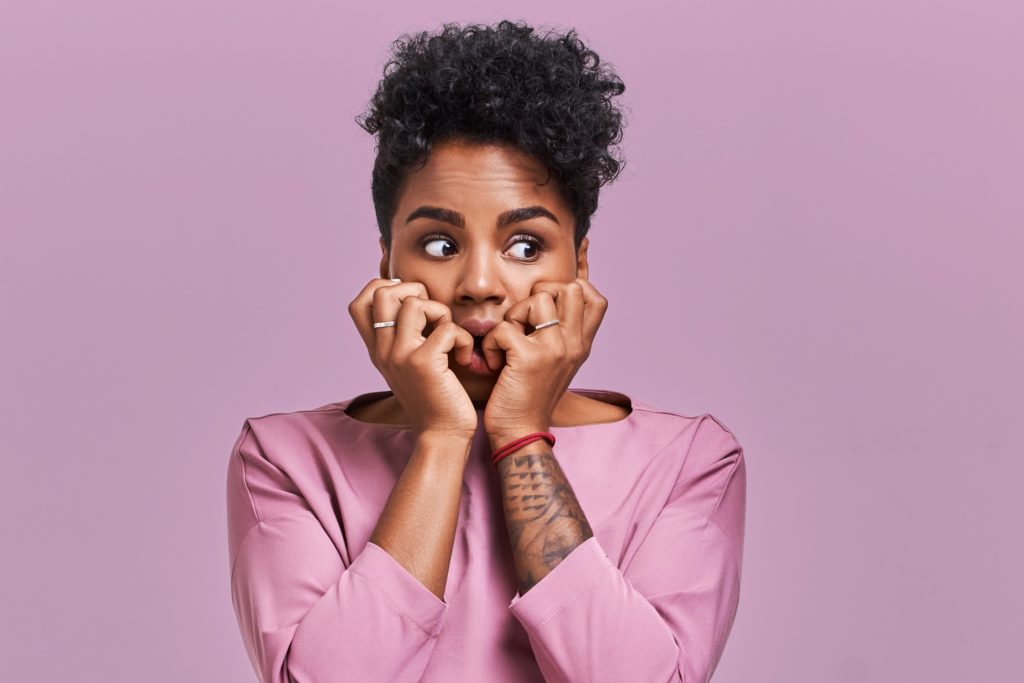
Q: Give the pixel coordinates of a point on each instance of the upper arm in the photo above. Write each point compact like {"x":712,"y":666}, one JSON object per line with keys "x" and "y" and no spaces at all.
{"x":304,"y":610}
{"x":689,"y":564}
{"x":281,"y":561}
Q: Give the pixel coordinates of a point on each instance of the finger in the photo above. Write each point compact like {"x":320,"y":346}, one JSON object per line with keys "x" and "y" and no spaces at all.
{"x":448,"y":337}
{"x":503,"y":337}
{"x":387,"y":301}
{"x":533,"y":310}
{"x":544,"y":310}
{"x":519,"y":313}
{"x":414,"y":317}
{"x":361,"y":311}
{"x":595,"y":305}
{"x":570,"y":305}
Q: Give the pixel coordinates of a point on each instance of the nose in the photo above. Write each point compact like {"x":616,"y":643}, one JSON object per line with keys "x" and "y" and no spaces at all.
{"x":481,"y":278}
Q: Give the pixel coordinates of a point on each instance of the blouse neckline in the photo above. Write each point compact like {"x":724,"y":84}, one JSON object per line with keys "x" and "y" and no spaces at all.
{"x":616,"y":398}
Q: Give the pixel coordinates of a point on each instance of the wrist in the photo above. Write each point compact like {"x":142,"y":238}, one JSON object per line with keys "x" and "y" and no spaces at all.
{"x":500,"y":438}
{"x":446,"y":443}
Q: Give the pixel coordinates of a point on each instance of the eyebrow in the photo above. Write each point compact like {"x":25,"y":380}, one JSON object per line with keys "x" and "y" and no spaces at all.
{"x":506,"y":218}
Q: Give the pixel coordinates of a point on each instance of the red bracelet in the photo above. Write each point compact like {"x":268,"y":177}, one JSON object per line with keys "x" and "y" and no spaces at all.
{"x":519,"y":443}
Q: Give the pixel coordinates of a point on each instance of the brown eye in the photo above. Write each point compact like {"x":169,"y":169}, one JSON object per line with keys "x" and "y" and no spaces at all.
{"x":429,"y":240}
{"x":531,"y":247}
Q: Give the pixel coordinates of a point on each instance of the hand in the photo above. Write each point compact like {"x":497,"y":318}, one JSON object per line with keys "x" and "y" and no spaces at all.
{"x":414,"y":366}
{"x":538,"y":367}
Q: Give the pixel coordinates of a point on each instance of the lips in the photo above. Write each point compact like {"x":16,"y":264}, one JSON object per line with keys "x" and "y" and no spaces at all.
{"x":478,"y":364}
{"x":478,"y":327}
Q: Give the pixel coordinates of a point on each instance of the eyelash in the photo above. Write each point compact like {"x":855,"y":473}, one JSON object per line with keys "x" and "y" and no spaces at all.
{"x":522,"y":237}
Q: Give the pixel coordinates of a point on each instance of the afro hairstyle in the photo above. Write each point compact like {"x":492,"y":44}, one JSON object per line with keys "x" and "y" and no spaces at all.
{"x":547,"y":94}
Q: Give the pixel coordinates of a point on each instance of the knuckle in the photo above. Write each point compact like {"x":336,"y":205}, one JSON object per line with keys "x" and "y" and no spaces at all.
{"x":396,"y":361}
{"x":417,"y":361}
{"x":414,"y":302}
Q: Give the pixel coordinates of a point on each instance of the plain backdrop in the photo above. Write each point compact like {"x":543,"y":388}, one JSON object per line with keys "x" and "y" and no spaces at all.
{"x":816,"y":238}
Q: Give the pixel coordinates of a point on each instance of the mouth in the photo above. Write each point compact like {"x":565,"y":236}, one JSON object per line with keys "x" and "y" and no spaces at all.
{"x":478,"y":362}
{"x":478,"y":327}
{"x":478,"y":339}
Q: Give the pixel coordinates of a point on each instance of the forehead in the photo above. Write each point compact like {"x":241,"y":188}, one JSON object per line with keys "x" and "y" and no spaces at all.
{"x":471,"y":172}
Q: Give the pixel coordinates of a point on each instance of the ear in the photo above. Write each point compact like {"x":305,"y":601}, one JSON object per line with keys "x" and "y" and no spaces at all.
{"x":385,"y":261}
{"x":582,"y":268}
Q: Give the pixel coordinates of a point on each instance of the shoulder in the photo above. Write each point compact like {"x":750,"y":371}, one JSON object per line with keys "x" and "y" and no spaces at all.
{"x":273,"y":464}
{"x":695,"y":462}
{"x":276,"y":435}
{"x":702,"y":439}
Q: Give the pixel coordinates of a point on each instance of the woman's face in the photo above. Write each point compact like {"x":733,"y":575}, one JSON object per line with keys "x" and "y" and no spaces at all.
{"x":453,"y":232}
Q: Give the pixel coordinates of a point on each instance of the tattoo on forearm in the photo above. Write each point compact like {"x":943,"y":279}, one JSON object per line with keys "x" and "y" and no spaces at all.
{"x":544,"y":519}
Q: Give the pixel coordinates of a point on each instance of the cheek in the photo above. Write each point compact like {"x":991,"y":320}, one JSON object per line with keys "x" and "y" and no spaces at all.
{"x":520,"y":293}
{"x":434,"y":279}
{"x":438,"y":292}
{"x":523,"y":290}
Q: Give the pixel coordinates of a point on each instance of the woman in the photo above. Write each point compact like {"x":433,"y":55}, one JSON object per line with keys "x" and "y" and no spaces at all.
{"x":481,"y":521}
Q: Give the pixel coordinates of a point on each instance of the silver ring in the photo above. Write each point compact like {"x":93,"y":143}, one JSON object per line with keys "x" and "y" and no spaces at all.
{"x":547,"y":324}
{"x":389,"y":323}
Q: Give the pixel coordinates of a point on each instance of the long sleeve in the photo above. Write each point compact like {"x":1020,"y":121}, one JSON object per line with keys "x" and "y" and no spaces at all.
{"x":304,"y":616}
{"x":667,"y":613}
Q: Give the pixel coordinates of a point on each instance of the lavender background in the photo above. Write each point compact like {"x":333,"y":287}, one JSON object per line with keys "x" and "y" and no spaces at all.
{"x":817,"y":238}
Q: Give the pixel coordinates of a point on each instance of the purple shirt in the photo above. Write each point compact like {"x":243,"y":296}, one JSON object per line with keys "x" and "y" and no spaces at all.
{"x":651,"y":596}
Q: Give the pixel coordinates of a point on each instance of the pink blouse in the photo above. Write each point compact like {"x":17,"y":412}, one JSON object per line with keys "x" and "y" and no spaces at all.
{"x":650,"y":597}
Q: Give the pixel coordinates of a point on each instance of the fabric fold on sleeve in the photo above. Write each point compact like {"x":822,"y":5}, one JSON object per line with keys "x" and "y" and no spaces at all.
{"x":304,"y":616}
{"x":585,"y":622}
{"x":403,"y":591}
{"x":562,"y":584}
{"x":667,"y":614}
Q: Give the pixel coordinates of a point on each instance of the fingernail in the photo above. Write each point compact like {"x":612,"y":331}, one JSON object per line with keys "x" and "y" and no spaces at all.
{"x":396,"y":279}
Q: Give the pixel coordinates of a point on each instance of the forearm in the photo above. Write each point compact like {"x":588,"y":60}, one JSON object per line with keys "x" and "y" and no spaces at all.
{"x":417,"y":525}
{"x":544,"y":520}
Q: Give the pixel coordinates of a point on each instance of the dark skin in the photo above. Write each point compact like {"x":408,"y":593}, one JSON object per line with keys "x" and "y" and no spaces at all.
{"x":481,"y":270}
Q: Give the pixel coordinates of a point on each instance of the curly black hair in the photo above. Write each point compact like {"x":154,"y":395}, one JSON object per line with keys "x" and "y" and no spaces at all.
{"x":547,"y":94}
